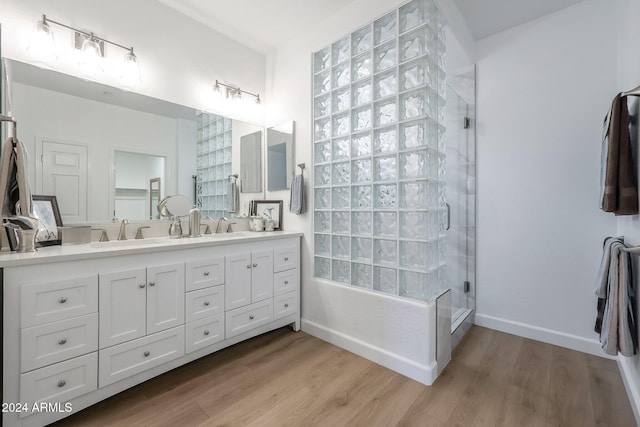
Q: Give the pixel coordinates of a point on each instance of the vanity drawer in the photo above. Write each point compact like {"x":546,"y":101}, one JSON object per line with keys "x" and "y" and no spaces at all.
{"x":286,"y":281}
{"x":204,"y":273}
{"x":246,"y":318}
{"x":204,"y":332}
{"x":60,"y":382}
{"x":124,"y":360}
{"x":285,"y":305}
{"x":204,"y":303}
{"x":54,"y":342}
{"x":50,"y":302}
{"x":285,"y":259}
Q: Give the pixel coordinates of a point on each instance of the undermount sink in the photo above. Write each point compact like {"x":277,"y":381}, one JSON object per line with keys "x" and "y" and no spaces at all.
{"x":228,"y":235}
{"x":124,"y":243}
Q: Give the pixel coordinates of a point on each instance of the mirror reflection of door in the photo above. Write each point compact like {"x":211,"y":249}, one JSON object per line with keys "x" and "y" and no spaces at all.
{"x":155,"y":190}
{"x":64,"y":175}
{"x":133,"y":172}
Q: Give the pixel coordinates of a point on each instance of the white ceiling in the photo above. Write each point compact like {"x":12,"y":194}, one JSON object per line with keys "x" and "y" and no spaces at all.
{"x":265,"y":25}
{"x":488,"y":17}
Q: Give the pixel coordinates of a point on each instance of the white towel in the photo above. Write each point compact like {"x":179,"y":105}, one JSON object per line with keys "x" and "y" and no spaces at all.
{"x":296,"y":199}
{"x":233,"y":197}
{"x":614,"y":288}
{"x":15,"y":195}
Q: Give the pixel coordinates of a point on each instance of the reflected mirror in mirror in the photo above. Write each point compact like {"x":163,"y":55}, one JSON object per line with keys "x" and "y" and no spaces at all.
{"x":251,"y":163}
{"x":88,"y":122}
{"x":133,"y":173}
{"x":280,"y":156}
{"x":155,"y":195}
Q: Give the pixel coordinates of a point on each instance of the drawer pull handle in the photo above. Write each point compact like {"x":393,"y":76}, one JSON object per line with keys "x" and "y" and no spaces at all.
{"x":63,"y":341}
{"x":206,"y":303}
{"x":146,"y":354}
{"x":206,"y":273}
{"x":141,"y":285}
{"x":62,"y":300}
{"x":62,"y":383}
{"x":286,"y":258}
{"x":251,"y":317}
{"x":152,"y":283}
{"x":286,"y":305}
{"x":286,"y":282}
{"x":255,"y":265}
{"x":248,"y":265}
{"x":206,"y":332}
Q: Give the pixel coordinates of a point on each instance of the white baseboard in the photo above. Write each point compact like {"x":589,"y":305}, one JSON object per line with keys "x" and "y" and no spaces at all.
{"x":561,"y":339}
{"x":409,"y":368}
{"x":631,"y":384}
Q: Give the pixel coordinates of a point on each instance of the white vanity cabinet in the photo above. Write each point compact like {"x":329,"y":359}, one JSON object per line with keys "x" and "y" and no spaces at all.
{"x":82,"y":327}
{"x":138,"y":302}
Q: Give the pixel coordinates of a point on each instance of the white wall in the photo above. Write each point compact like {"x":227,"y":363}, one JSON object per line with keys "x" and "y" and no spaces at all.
{"x":543,"y":90}
{"x":629,"y":226}
{"x":180,"y":58}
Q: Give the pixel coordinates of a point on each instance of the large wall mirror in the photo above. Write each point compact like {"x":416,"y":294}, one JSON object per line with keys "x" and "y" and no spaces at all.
{"x":280,"y":156}
{"x":90,"y":143}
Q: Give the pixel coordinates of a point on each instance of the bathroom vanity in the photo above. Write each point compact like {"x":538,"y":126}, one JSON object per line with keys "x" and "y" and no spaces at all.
{"x":84,"y":322}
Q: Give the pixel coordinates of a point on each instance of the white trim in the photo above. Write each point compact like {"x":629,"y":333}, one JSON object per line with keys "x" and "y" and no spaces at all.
{"x":631,"y":384}
{"x":572,"y":342}
{"x":410,"y":368}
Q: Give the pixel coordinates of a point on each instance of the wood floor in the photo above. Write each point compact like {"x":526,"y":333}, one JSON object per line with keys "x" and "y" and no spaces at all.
{"x":293,"y":379}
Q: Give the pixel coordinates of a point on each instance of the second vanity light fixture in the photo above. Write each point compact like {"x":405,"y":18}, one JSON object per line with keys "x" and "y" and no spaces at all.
{"x":91,"y":47}
{"x":224,"y":91}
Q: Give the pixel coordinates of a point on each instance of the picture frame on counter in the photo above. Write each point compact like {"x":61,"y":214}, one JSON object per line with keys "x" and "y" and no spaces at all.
{"x":269,"y":209}
{"x":46,"y":211}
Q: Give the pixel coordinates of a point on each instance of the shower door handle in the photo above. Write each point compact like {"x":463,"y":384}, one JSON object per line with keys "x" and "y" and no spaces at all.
{"x":448,"y":216}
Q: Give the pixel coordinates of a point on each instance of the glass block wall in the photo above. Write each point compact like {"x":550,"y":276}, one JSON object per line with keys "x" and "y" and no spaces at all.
{"x":213,"y":164}
{"x":379,"y":191}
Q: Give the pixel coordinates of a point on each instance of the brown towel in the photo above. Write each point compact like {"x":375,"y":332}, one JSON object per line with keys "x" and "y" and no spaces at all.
{"x":620,"y":189}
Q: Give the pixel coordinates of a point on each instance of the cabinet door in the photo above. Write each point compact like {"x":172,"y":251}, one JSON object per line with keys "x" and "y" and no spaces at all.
{"x":165,"y":297}
{"x":238,"y":281}
{"x":122,"y":302}
{"x":262,"y":276}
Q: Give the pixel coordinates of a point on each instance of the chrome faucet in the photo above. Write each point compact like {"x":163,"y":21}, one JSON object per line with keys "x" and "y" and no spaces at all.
{"x":123,"y":230}
{"x":218,"y":230}
{"x":104,"y":237}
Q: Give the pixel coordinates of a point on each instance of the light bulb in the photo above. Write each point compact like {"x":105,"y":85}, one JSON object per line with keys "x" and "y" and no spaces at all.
{"x":91,"y":56}
{"x":41,"y":42}
{"x":131,"y":76}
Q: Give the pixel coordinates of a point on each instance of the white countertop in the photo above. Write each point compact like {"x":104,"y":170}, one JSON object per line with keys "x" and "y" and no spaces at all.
{"x":131,"y":247}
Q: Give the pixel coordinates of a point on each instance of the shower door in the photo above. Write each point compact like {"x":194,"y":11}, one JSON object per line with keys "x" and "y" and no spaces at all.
{"x":460,"y":181}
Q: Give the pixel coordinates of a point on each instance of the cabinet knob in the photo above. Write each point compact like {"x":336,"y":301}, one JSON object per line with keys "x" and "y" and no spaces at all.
{"x":152,"y":283}
{"x":62,"y":300}
{"x":206,"y":303}
{"x":206,"y":332}
{"x":63,"y":341}
{"x":248,"y":265}
{"x":286,"y":258}
{"x":286,"y":282}
{"x":206,"y":273}
{"x":255,"y":265}
{"x":62,"y":383}
{"x":251,"y":317}
{"x":146,"y":354}
{"x":286,"y":305}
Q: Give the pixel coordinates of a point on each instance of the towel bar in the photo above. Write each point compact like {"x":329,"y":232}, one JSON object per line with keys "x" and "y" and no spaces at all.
{"x":634,"y":250}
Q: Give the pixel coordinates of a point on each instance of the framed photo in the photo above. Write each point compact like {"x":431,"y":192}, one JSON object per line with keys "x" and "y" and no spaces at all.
{"x":269,"y":209}
{"x":45,"y":209}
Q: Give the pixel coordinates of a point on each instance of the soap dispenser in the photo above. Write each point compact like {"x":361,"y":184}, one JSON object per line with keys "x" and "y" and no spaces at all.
{"x":194,"y":222}
{"x":175,"y":230}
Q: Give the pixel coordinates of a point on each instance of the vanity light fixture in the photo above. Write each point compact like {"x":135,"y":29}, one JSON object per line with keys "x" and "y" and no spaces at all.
{"x":224,"y":91}
{"x":91,"y":50}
